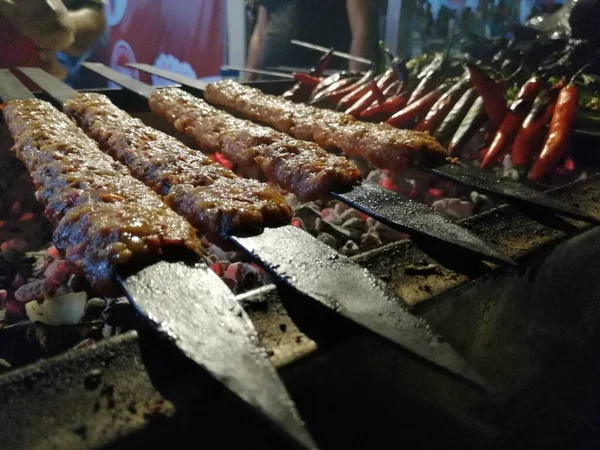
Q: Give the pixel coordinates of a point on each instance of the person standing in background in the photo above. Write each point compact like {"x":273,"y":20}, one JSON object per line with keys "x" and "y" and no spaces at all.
{"x":35,"y":30}
{"x":346,"y":25}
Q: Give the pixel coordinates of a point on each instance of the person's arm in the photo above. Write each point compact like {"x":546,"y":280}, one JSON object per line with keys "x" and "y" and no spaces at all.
{"x":89,"y":24}
{"x":256,"y":42}
{"x":361,"y":29}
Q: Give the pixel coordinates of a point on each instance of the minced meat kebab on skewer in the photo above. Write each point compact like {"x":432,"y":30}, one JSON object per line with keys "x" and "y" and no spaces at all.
{"x":302,"y":168}
{"x":104,"y":217}
{"x":382,"y":145}
{"x":210,"y":196}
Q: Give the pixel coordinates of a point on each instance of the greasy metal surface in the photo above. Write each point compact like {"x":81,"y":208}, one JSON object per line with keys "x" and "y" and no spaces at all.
{"x":169,"y":75}
{"x":418,"y":272}
{"x":419,"y":220}
{"x":321,"y":273}
{"x":60,"y":91}
{"x":143,"y":89}
{"x":11,"y":88}
{"x":514,"y":192}
{"x":197,"y":311}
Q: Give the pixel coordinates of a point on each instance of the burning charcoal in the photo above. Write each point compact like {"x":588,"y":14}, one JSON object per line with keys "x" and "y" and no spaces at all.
{"x":219,"y":253}
{"x":370,"y":240}
{"x":386,"y":234}
{"x":375,"y":177}
{"x":298,"y":223}
{"x":350,"y":213}
{"x":309,"y":214}
{"x":355,"y":224}
{"x":340,"y":208}
{"x":454,"y":208}
{"x":14,"y":312}
{"x":65,"y":309}
{"x":94,"y":308}
{"x":120,"y":313}
{"x":371,"y":222}
{"x":36,"y":290}
{"x":327,"y":239}
{"x":340,"y":233}
{"x":350,"y":248}
{"x":57,"y":272}
{"x":292,"y":200}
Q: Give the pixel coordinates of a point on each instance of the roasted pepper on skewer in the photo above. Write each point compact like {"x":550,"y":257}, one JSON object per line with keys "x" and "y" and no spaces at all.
{"x":371,"y":94}
{"x":324,"y":95}
{"x":307,"y":80}
{"x":412,"y":111}
{"x":560,"y":131}
{"x":442,"y":107}
{"x":529,"y":137}
{"x":492,"y":94}
{"x":469,"y":125}
{"x":452,"y":121}
{"x":384,"y":110}
{"x":350,"y":94}
{"x":512,"y":120}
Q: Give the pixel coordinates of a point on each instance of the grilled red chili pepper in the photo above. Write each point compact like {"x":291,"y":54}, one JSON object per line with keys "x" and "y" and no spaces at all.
{"x":512,"y":120}
{"x":392,"y":105}
{"x":298,"y":93}
{"x":407,"y":115}
{"x":322,"y":64}
{"x":306,"y":79}
{"x":370,"y":95}
{"x":559,"y":133}
{"x":452,"y":121}
{"x":442,"y":107}
{"x":323,"y":96}
{"x":492,"y":94}
{"x":425,"y":86}
{"x":342,"y":93}
{"x":383,"y":81}
{"x":529,"y":136}
{"x":469,"y":125}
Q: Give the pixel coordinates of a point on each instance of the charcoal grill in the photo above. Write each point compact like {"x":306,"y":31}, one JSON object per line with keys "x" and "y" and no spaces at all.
{"x":355,"y":392}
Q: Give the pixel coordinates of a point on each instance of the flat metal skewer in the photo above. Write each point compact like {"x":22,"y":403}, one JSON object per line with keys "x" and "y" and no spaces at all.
{"x":196,"y":310}
{"x":335,"y":52}
{"x":347,"y":289}
{"x":271,"y":73}
{"x":515,"y":193}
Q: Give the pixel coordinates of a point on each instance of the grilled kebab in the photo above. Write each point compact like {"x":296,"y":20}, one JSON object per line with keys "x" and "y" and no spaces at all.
{"x":296,"y":166}
{"x":382,"y":145}
{"x":104,"y":217}
{"x":211,"y":197}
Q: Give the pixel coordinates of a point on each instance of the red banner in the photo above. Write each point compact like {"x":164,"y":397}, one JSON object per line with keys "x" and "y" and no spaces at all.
{"x":180,"y":35}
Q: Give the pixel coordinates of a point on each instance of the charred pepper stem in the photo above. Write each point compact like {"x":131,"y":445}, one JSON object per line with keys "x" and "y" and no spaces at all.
{"x":322,"y":64}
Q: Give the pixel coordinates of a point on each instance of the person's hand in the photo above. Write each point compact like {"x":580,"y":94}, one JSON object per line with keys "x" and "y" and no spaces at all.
{"x":47,"y":22}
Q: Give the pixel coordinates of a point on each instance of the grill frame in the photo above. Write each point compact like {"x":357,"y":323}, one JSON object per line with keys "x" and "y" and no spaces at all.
{"x":432,"y":295}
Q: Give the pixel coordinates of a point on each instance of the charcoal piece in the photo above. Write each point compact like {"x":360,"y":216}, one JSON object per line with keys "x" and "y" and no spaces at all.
{"x":370,"y":240}
{"x":120,"y":313}
{"x":387,"y":234}
{"x":350,"y":248}
{"x":340,"y":233}
{"x":309,"y":214}
{"x":355,"y":224}
{"x":350,"y":213}
{"x":94,"y":308}
{"x":327,"y":239}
